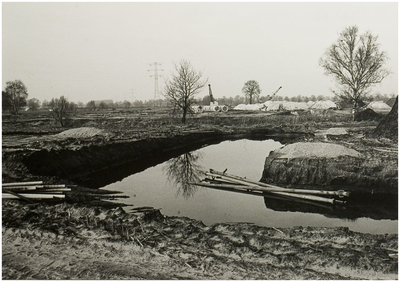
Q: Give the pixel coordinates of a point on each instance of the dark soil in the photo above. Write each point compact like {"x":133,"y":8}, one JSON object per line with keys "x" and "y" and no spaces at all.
{"x":388,"y":126}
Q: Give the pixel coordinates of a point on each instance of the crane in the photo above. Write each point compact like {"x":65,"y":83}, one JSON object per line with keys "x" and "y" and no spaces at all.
{"x":210,"y":93}
{"x":213,"y":107}
{"x":273,"y":94}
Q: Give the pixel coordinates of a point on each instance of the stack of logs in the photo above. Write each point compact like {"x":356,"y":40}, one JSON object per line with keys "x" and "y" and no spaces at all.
{"x":227,"y":182}
{"x":37,"y":190}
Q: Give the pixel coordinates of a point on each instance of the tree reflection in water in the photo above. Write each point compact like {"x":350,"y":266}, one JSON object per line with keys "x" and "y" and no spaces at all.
{"x":184,"y":169}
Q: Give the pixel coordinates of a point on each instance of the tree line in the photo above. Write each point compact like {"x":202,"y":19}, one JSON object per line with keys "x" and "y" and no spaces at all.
{"x":354,"y":61}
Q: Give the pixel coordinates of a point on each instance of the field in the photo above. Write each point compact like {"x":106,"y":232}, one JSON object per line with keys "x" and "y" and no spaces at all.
{"x":80,"y":240}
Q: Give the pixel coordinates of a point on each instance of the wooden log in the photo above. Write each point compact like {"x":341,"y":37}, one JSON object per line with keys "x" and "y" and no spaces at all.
{"x":32,"y":196}
{"x":32,"y":183}
{"x":41,"y":190}
{"x":54,"y":186}
{"x":16,"y":196}
{"x":270,"y":187}
{"x":20,"y":188}
{"x":293,"y":195}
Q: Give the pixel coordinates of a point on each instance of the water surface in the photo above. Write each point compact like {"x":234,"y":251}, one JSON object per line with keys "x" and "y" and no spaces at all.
{"x":164,"y":186}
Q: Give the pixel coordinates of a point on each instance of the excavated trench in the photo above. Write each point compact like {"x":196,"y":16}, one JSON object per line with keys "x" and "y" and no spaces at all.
{"x":95,"y":166}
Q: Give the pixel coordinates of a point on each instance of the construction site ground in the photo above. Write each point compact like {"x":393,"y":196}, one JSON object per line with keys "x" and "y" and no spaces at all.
{"x":77,"y":241}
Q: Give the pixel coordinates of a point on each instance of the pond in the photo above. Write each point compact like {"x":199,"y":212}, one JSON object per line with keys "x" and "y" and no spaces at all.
{"x":164,"y":187}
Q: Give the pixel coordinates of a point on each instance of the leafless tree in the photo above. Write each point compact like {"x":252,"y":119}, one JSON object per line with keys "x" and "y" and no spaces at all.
{"x":185,"y":84}
{"x":251,"y":90}
{"x":356,"y":64}
{"x":183,"y":170}
{"x":61,"y":109}
{"x":16,"y":95}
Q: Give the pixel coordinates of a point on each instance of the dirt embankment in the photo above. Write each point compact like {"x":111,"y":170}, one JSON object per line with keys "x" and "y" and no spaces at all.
{"x":342,"y":160}
{"x":71,"y":242}
{"x":78,"y":155}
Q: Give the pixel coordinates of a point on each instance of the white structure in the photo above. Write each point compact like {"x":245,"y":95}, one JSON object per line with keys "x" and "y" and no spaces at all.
{"x":322,"y":105}
{"x":379,"y":106}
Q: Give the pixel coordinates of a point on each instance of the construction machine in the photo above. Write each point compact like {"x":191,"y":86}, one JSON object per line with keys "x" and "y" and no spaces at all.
{"x":213,"y":107}
{"x":269,"y":98}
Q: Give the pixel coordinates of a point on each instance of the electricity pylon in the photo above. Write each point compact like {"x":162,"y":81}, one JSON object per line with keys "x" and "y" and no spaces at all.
{"x":156,"y":75}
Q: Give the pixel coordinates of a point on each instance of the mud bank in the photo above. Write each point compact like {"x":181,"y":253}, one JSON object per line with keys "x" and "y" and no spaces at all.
{"x":96,"y":165}
{"x":332,"y":166}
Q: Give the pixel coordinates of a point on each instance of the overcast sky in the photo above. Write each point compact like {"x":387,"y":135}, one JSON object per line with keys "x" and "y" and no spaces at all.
{"x":93,"y":51}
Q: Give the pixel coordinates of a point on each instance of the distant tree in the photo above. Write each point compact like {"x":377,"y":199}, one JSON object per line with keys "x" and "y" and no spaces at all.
{"x":103,"y":106}
{"x":138,"y":103}
{"x":252,"y":91}
{"x":73,"y":107}
{"x":126,"y":104}
{"x":356,"y":63}
{"x":61,"y":110}
{"x":185,"y":84}
{"x":45,"y":104}
{"x":17,"y":95}
{"x":91,"y":105}
{"x":79,"y":104}
{"x":6,"y":101}
{"x":33,"y":104}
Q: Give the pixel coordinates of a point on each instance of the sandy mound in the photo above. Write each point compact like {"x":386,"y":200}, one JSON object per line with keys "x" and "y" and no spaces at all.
{"x":314,"y":150}
{"x":82,"y":132}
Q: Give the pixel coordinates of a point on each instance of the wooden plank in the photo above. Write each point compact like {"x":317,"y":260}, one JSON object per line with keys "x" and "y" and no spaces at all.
{"x":32,"y":196}
{"x":244,"y":188}
{"x":20,"y":188}
{"x":54,"y":186}
{"x":32,"y":183}
{"x":41,"y":190}
{"x":15,"y":195}
{"x":270,"y":187}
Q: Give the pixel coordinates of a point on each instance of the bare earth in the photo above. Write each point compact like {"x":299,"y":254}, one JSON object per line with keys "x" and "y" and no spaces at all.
{"x":70,"y":242}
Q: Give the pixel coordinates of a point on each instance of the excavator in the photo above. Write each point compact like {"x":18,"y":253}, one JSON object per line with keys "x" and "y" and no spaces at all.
{"x":269,"y":98}
{"x":213,"y":107}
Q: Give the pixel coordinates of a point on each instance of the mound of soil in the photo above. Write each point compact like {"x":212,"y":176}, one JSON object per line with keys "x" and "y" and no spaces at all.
{"x":313,"y":150}
{"x":367,"y":114}
{"x":81,"y":132}
{"x":388,"y":127}
{"x":330,"y":165}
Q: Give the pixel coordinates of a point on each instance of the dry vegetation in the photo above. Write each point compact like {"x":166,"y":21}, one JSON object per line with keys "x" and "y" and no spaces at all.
{"x":73,"y":242}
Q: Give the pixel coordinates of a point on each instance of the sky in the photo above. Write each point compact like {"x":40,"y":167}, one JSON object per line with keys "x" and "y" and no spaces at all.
{"x":95,"y":51}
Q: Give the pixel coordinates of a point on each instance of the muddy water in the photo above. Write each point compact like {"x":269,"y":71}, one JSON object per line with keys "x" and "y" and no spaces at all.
{"x":164,"y":186}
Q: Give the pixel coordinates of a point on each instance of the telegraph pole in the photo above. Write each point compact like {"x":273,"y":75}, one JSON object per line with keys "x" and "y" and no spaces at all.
{"x":155,"y":75}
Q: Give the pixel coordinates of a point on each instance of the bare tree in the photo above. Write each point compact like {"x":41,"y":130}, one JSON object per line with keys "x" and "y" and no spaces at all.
{"x":91,"y":105}
{"x":251,"y":90}
{"x":33,"y":104}
{"x":61,"y":109}
{"x":17,"y":95}
{"x":185,"y":84}
{"x":356,"y":63}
